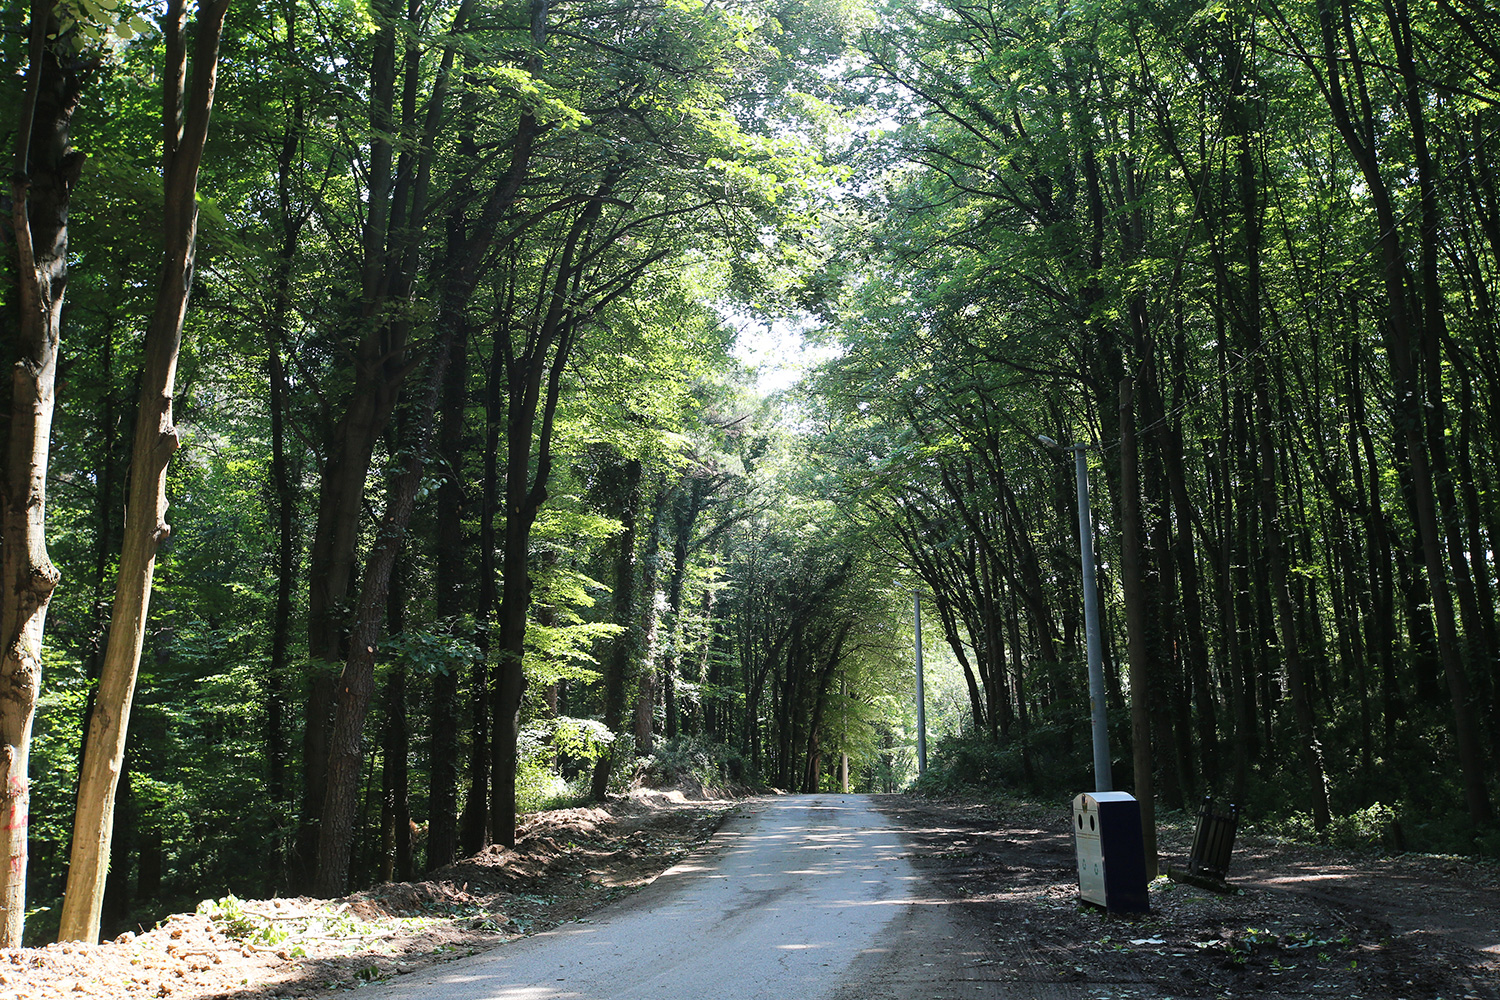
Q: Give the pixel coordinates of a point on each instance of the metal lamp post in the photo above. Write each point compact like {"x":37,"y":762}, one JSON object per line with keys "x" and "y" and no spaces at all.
{"x":921,"y":689}
{"x":1103,"y":778}
{"x":1106,"y":823}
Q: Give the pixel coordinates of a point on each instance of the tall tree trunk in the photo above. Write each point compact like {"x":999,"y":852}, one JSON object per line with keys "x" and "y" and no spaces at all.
{"x":812,"y":771}
{"x":395,"y":804}
{"x":1135,"y":627}
{"x":397,"y":195}
{"x":1429,"y":371}
{"x":687,"y":503}
{"x":710,"y":721}
{"x":1194,"y":628}
{"x":185,"y":117}
{"x":617,"y":667}
{"x":283,"y":489}
{"x":476,"y":819}
{"x":357,"y":681}
{"x":645,"y":697}
{"x":534,"y":378}
{"x":341,"y":487}
{"x":442,"y":818}
{"x":1308,"y":746}
{"x":1408,"y":347}
{"x":45,"y":169}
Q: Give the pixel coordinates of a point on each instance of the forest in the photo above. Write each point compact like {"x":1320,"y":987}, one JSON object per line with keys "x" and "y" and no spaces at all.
{"x":388,"y":456}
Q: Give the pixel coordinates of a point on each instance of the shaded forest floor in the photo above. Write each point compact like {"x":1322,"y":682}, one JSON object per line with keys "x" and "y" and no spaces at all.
{"x":1306,"y":922}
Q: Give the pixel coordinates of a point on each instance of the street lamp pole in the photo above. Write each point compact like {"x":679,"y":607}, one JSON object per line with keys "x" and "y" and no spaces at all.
{"x":921,"y":688}
{"x":1112,"y":819}
{"x":1103,"y":780}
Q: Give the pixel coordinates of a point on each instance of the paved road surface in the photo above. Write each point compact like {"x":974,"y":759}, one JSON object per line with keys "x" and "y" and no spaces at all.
{"x":784,"y":900}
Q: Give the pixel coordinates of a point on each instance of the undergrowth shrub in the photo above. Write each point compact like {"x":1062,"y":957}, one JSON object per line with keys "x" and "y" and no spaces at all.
{"x":970,"y":763}
{"x":555,"y":760}
{"x":1375,"y":826}
{"x":689,"y":759}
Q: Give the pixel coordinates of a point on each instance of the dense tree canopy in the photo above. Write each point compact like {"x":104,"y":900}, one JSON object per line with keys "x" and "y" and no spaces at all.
{"x":476,"y":508}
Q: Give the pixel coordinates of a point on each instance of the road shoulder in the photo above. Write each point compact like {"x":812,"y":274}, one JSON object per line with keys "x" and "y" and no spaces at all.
{"x":1001,"y":898}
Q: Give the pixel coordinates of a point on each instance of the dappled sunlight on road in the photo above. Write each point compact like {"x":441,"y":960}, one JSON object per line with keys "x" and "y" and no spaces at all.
{"x":778,"y":907}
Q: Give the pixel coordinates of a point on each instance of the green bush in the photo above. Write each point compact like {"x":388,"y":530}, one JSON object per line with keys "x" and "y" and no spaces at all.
{"x":556,"y":760}
{"x":1371,"y":827}
{"x":1367,"y":827}
{"x":690,"y":759}
{"x":539,"y":787}
{"x":970,"y":763}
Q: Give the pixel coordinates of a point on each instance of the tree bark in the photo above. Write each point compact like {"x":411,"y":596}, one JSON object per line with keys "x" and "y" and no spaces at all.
{"x":397,"y":198}
{"x":442,"y":754}
{"x":282,"y":478}
{"x":618,"y":664}
{"x":185,"y":117}
{"x":1435,"y":485}
{"x":645,"y":698}
{"x":357,"y":681}
{"x":475,"y":832}
{"x":812,"y":770}
{"x":395,"y":801}
{"x":46,"y":168}
{"x":686,"y":503}
{"x":1405,"y":355}
{"x":1135,"y":628}
{"x":534,"y":378}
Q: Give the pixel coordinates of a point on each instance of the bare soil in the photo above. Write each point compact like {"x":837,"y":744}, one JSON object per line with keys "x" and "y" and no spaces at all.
{"x":567,"y":863}
{"x":1305,"y":921}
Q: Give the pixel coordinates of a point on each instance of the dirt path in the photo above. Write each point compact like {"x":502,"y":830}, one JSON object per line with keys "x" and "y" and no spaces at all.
{"x":1443,"y":904}
{"x":567,"y":864}
{"x":785,"y":897}
{"x":994,"y":914}
{"x":1306,"y":923}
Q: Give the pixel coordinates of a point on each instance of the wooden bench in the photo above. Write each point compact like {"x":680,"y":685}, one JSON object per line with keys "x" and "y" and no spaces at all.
{"x":1208,"y":863}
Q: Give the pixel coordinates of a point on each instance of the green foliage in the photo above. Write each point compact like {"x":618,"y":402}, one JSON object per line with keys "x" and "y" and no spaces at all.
{"x":959,"y":764}
{"x":230,"y":914}
{"x":985,"y":215}
{"x":582,"y":740}
{"x":444,"y":649}
{"x":1056,"y":198}
{"x":55,"y":746}
{"x":691,"y":760}
{"x":1371,"y":828}
{"x":98,"y":23}
{"x":714,"y":119}
{"x":266,"y":924}
{"x":970,"y":763}
{"x":622,"y":764}
{"x":539,"y":787}
{"x":557,"y":758}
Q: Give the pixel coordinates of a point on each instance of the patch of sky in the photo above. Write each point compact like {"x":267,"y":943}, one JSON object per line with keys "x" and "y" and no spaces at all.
{"x":779,"y":352}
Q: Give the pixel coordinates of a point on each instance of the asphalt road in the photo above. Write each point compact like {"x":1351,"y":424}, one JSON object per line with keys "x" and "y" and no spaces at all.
{"x":795,"y":897}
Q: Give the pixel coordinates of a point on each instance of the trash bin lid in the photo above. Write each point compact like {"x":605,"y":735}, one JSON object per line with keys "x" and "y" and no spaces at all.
{"x":1098,"y":797}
